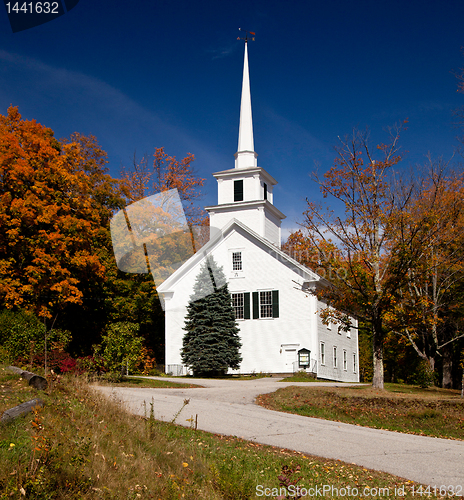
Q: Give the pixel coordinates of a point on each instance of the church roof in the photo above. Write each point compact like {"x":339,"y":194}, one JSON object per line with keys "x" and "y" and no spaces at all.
{"x":235,"y":172}
{"x":235,"y":225}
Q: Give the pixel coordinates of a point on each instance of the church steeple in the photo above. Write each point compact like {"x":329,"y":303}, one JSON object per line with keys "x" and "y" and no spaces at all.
{"x":245,"y":155}
{"x":245,"y":193}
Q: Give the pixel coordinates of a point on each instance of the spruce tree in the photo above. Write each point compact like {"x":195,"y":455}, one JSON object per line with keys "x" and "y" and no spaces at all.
{"x":211,"y":343}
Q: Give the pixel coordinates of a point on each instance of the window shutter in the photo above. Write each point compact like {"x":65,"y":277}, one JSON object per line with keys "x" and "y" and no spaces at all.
{"x":255,"y":305}
{"x":275,"y":303}
{"x":238,"y":190}
{"x":246,"y":305}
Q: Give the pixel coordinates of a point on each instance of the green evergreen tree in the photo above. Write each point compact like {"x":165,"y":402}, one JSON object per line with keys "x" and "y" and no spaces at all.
{"x":211,"y":344}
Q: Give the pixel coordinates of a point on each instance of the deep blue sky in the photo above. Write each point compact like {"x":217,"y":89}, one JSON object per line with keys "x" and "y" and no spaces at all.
{"x":140,"y":75}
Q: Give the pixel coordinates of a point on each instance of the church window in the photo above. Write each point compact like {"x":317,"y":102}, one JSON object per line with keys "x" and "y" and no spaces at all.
{"x":241,"y":305}
{"x":355,"y":365}
{"x":335,"y":357}
{"x":322,"y":353}
{"x":345,"y":361}
{"x":236,"y":261}
{"x":238,"y":190}
{"x":265,"y":191}
{"x":237,"y":304}
{"x":266,"y":304}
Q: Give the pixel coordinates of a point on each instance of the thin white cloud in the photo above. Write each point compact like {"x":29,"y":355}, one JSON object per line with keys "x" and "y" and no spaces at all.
{"x":296,"y":140}
{"x":225,"y":51}
{"x":61,"y":98}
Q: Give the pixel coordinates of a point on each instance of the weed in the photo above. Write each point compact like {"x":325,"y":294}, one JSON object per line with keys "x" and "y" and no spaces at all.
{"x":186,"y":402}
{"x":150,"y":419}
{"x":287,"y":480}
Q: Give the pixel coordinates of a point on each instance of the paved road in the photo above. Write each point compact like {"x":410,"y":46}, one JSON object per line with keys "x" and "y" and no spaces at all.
{"x":227,"y":407}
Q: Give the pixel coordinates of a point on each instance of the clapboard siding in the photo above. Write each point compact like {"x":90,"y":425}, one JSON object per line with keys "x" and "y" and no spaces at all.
{"x":343,"y":341}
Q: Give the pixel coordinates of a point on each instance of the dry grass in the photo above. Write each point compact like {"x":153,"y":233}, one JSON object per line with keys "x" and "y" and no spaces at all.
{"x":432,"y":412}
{"x":81,"y":445}
{"x":147,"y":383}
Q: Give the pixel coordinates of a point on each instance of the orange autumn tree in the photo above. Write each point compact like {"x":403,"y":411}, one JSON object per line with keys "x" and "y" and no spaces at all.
{"x":428,"y":309}
{"x":164,"y":173}
{"x":55,"y":200}
{"x":320,"y":257}
{"x":369,"y":267}
{"x":166,"y":242}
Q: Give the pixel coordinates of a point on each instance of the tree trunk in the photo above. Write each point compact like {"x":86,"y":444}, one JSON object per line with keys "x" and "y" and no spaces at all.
{"x":447,"y":380}
{"x":431,"y":363}
{"x":377,"y":344}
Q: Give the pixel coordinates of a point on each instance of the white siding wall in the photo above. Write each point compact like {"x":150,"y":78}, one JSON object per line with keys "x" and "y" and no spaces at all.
{"x":251,"y":189}
{"x":270,"y":195}
{"x":272,"y":229}
{"x":263,"y":340}
{"x":252,"y":218}
{"x":343,"y":341}
{"x":263,"y":223}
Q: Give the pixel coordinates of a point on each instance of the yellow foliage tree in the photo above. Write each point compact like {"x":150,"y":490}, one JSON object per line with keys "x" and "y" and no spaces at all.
{"x":55,"y":203}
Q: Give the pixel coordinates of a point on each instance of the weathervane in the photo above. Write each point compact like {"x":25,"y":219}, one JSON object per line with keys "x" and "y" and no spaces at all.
{"x":246,"y":35}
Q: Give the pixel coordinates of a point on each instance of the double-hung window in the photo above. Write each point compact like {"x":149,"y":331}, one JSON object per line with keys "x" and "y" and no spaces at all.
{"x":322,"y":353}
{"x":237,"y":261}
{"x":335,"y":357}
{"x":241,"y":305}
{"x":266,"y":304}
{"x":238,"y":305}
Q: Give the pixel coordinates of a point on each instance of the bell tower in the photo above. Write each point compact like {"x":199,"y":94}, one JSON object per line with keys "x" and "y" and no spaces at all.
{"x":245,"y":193}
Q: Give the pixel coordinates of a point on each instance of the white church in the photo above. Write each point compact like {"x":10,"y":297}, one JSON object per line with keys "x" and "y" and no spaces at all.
{"x":280,"y":328}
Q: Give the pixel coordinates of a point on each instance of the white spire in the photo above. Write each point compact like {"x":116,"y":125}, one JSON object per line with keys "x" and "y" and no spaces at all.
{"x":245,"y":156}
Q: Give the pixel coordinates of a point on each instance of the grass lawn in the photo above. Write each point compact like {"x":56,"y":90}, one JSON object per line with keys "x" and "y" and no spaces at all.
{"x":431,"y":412}
{"x":80,"y":445}
{"x":149,"y":383}
{"x":251,"y":376}
{"x":302,"y":377}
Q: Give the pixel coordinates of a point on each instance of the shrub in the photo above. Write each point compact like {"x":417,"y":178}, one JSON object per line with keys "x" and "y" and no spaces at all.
{"x":56,"y":359}
{"x":90,"y":364}
{"x":423,"y":376}
{"x":121,"y":347}
{"x":147,"y":363}
{"x":68,"y":365}
{"x":22,"y":336}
